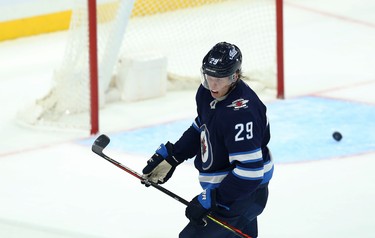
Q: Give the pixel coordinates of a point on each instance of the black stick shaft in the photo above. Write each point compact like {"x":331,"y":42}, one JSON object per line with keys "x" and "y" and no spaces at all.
{"x":229,"y":227}
{"x":137,"y":175}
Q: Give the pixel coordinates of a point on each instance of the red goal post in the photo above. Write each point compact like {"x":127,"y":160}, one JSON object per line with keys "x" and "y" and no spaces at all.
{"x":93,"y":72}
{"x":104,"y":31}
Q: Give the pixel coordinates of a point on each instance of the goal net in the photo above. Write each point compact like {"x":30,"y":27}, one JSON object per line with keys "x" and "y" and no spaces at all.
{"x":181,"y":30}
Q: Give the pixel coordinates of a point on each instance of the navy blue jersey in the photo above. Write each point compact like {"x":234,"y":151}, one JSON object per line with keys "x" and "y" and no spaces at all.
{"x":229,"y":140}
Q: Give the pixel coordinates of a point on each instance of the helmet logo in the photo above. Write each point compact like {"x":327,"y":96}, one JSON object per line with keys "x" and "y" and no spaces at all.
{"x":232,"y":53}
{"x":213,"y":61}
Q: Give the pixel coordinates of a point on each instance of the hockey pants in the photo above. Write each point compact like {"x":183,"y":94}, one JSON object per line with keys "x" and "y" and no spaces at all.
{"x":242,"y":215}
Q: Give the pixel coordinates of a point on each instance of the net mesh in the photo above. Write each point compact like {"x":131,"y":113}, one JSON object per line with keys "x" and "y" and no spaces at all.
{"x":186,"y":34}
{"x":182,"y":30}
{"x":67,"y":105}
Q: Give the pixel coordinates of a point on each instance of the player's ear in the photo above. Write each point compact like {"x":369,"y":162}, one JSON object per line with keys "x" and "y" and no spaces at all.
{"x":235,"y":77}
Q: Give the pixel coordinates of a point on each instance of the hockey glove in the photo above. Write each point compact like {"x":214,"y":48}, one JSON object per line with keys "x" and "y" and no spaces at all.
{"x":161,"y":165}
{"x":201,"y":206}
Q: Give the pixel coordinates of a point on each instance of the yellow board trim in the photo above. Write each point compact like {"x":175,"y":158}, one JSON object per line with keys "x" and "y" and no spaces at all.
{"x":35,"y":25}
{"x":153,"y":8}
{"x":60,"y":20}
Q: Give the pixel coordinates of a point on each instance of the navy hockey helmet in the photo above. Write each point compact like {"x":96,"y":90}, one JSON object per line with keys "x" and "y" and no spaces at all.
{"x":223,"y":60}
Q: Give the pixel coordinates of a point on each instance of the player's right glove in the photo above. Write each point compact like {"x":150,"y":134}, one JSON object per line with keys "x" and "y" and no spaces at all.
{"x":200,"y":206}
{"x":161,"y":165}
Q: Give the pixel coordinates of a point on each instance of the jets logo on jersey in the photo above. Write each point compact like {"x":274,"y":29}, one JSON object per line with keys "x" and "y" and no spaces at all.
{"x":239,"y":103}
{"x":206,"y":148}
{"x":203,"y":146}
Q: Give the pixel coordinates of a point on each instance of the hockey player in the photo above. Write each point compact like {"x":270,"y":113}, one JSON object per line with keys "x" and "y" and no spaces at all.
{"x":228,"y":139}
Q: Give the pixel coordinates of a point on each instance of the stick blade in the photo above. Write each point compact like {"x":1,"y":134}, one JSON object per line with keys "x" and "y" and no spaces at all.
{"x":100,"y":143}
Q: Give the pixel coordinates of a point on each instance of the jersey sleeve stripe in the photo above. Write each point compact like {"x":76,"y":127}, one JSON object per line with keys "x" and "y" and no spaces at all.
{"x":267,"y":176}
{"x":211,"y":179}
{"x":249,"y":174}
{"x":268,"y":166}
{"x":246,"y":157}
{"x":268,"y":171}
{"x":263,"y":173}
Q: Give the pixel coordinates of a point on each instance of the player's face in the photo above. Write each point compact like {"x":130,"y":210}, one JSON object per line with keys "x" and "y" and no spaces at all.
{"x":218,"y":87}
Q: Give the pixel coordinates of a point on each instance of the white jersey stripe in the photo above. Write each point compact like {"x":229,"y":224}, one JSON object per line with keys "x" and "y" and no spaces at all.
{"x":252,"y":174}
{"x":212,"y":178}
{"x":268,"y":166}
{"x":249,"y":173}
{"x":245,"y":173}
{"x":246,"y":157}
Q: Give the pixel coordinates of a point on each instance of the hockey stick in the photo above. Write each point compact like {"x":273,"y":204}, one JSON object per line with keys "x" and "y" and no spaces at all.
{"x":102,"y":141}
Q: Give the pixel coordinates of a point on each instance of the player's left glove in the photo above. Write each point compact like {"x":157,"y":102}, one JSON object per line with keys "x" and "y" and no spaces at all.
{"x":201,"y":206}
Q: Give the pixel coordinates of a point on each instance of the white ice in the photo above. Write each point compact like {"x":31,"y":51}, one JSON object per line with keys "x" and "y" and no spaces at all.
{"x":52,"y":187}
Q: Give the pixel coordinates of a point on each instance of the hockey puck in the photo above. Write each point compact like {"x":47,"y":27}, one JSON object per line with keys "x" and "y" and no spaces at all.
{"x":337,"y":136}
